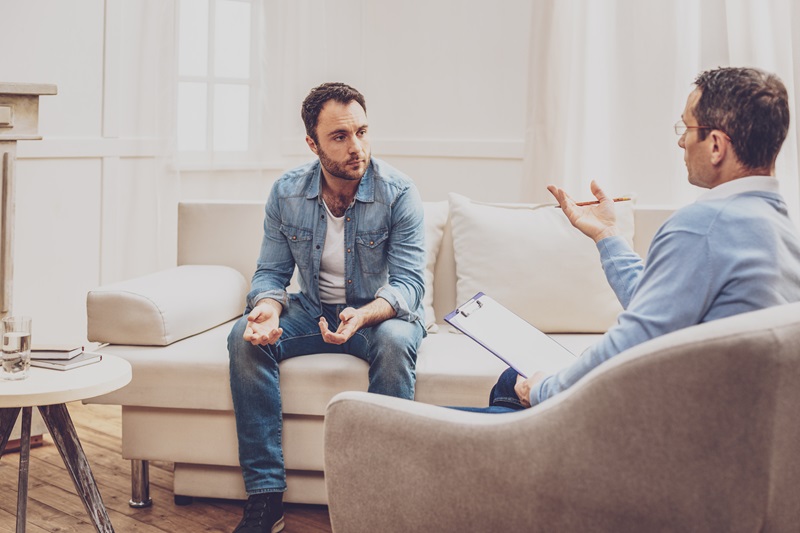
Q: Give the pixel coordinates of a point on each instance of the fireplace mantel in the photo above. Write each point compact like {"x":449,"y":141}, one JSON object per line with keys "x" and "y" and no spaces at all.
{"x":19,"y":121}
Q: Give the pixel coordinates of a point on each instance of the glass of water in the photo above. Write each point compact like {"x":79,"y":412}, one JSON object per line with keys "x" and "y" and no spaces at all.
{"x":16,"y":347}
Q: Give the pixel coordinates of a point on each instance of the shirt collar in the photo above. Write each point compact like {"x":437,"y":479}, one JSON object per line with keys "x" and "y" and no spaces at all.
{"x":739,"y":186}
{"x":314,"y":189}
{"x":366,"y":189}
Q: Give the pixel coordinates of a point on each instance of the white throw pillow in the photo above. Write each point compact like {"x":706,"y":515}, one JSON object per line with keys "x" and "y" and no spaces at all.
{"x":530,"y":259}
{"x":435,"y":220}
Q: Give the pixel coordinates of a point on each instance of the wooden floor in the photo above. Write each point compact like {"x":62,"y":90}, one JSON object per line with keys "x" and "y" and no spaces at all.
{"x":53,"y":505}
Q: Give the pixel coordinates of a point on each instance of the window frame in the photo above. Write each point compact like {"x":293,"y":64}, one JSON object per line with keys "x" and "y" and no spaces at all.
{"x":209,"y":157}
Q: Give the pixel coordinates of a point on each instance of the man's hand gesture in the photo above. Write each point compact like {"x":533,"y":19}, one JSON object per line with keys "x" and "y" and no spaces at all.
{"x":596,"y":221}
{"x":350,"y":323}
{"x":262,"y":323}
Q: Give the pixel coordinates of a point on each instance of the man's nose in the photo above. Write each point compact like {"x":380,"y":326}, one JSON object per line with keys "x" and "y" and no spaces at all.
{"x":355,"y":145}
{"x":681,"y":141}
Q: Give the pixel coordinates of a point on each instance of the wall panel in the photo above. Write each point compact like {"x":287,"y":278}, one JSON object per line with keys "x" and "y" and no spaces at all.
{"x":448,"y":69}
{"x":57,"y":252}
{"x":96,"y":200}
{"x":48,"y":41}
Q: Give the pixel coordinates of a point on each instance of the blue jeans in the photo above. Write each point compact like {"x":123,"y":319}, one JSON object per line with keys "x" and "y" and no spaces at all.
{"x":503,"y":398}
{"x":390,"y":348}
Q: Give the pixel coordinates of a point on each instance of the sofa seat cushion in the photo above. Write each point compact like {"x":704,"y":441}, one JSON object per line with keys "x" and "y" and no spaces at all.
{"x":193,"y":373}
{"x":452,"y":369}
{"x":189,"y":374}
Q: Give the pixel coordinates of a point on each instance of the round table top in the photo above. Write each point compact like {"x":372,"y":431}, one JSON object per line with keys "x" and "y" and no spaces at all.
{"x":45,"y":386}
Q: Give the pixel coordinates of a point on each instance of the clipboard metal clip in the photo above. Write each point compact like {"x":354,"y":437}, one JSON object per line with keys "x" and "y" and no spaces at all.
{"x":470,"y":308}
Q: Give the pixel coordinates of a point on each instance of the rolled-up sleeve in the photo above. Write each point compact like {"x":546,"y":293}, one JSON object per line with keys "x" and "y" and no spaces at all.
{"x":406,"y":257}
{"x":275,"y":264}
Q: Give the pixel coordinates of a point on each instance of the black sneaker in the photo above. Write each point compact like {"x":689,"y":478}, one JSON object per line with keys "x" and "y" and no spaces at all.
{"x":263,"y":513}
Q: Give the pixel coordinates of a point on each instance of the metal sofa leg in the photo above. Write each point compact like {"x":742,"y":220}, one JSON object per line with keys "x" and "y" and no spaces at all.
{"x":140,"y":484}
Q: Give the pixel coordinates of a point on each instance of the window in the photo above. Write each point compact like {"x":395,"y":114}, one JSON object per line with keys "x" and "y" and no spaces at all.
{"x":215,"y":80}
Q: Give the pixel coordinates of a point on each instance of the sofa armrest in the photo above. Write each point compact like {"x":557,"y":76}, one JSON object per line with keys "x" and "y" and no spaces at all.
{"x":165,"y":307}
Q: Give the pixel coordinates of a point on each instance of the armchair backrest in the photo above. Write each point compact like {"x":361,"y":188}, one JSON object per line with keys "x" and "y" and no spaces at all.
{"x":697,"y":429}
{"x":693,"y":431}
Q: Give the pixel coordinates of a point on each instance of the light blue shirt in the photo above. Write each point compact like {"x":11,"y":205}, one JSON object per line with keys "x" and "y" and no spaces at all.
{"x":384,"y":241}
{"x":733,"y":251}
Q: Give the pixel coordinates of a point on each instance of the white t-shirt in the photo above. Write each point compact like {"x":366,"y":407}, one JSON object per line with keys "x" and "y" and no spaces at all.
{"x":331,"y":267}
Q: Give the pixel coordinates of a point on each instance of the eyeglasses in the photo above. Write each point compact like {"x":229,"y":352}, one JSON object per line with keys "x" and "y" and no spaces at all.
{"x":681,"y":127}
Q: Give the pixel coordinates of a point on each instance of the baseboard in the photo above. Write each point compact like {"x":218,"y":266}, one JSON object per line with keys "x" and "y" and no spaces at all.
{"x":14,"y":445}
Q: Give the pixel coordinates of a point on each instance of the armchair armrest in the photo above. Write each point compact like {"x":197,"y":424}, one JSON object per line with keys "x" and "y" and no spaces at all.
{"x":165,"y":307}
{"x":395,"y":465}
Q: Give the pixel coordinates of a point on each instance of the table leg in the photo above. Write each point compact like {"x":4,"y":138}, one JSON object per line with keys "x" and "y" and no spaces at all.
{"x":24,"y":462}
{"x":8,"y":416}
{"x":63,"y":433}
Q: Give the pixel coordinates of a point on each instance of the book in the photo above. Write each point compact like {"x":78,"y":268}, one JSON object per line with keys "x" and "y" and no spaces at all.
{"x":86,"y":358}
{"x":46,"y":351}
{"x":516,"y":342}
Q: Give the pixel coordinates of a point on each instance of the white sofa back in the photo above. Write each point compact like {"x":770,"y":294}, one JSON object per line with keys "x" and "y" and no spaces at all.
{"x":229,"y":233}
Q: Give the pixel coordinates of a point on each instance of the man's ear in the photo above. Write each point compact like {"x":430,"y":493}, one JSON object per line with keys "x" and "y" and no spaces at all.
{"x":720,"y":144}
{"x":311,"y":144}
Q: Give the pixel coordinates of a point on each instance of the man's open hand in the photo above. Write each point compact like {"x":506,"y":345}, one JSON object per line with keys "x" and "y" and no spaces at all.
{"x":262,"y":324}
{"x":350,"y":323}
{"x":596,"y":221}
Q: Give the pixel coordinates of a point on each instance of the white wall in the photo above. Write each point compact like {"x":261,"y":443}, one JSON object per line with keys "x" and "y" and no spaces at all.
{"x":445,"y":83}
{"x":93,"y":202}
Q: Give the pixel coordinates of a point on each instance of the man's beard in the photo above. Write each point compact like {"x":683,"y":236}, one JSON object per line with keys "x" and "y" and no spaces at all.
{"x":341,"y":171}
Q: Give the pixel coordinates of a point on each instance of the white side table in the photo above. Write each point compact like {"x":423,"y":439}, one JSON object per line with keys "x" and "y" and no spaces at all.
{"x":50,"y":390}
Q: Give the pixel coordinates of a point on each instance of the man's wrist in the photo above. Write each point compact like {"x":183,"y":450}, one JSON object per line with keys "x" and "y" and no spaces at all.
{"x":611,"y":231}
{"x":375,"y":312}
{"x":275,"y":304}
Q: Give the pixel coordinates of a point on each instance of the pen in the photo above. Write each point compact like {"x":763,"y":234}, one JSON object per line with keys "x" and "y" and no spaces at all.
{"x":595,"y":202}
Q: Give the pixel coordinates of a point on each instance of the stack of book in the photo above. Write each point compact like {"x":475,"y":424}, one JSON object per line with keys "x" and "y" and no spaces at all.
{"x":62,"y":357}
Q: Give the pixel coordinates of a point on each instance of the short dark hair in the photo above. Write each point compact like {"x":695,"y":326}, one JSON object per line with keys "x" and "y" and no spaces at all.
{"x":318,"y":96}
{"x":751,"y":106}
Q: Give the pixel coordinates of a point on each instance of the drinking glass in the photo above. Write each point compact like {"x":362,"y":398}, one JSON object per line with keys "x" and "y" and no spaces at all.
{"x":16,"y":347}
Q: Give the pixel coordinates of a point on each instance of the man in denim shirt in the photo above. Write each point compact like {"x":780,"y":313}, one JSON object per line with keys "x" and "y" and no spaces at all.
{"x":353,"y":227}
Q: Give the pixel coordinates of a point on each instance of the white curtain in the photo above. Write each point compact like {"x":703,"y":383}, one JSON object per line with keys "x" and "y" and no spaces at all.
{"x":609,"y":78}
{"x":140,"y":193}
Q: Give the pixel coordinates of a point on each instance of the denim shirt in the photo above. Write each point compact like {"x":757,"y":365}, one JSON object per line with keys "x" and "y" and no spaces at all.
{"x":384,"y":241}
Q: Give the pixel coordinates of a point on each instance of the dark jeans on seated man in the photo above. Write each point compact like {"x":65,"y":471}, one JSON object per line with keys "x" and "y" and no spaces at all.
{"x":502,"y":398}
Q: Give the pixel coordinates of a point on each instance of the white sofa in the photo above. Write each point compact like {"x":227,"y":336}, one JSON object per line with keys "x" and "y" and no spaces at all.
{"x":173,"y":325}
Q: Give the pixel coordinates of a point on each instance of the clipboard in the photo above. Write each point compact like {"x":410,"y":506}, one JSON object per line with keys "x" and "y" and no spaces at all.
{"x":518,"y":343}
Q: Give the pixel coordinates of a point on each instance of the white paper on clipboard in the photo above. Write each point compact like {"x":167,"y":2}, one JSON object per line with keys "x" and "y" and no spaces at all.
{"x":521,"y":345}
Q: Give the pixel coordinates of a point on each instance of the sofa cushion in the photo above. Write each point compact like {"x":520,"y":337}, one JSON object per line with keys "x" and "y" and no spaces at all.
{"x":530,"y":258}
{"x":435,"y":220}
{"x":161,"y":308}
{"x":193,"y":374}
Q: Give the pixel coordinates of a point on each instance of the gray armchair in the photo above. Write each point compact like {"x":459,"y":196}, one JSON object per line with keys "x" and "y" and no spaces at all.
{"x":695,"y":431}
